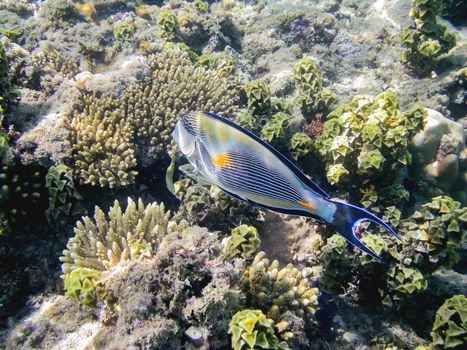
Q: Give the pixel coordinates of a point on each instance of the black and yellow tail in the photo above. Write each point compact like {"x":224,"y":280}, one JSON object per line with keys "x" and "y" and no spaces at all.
{"x":346,"y":220}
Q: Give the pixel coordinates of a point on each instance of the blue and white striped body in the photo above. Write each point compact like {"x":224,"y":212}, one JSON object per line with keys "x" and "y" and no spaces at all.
{"x":225,"y":155}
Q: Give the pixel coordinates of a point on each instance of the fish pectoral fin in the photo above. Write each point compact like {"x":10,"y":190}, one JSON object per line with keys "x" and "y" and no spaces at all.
{"x":234,"y":195}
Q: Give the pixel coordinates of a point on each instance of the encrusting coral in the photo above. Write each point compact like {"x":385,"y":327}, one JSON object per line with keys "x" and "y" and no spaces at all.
{"x":251,"y":329}
{"x":450,"y":326}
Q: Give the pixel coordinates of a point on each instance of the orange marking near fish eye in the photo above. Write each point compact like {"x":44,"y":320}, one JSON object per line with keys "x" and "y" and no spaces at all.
{"x":307,"y":205}
{"x":221,"y":160}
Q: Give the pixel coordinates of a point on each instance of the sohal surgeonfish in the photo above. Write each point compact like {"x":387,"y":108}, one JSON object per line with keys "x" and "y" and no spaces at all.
{"x":224,"y":154}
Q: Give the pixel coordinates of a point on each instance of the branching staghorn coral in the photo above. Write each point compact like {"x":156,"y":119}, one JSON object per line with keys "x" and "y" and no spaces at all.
{"x":106,"y":131}
{"x":102,"y":143}
{"x":102,"y":242}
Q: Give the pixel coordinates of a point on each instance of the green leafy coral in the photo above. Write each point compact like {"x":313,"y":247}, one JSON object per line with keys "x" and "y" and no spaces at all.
{"x":425,"y":40}
{"x":276,"y":128}
{"x":300,"y":145}
{"x":243,"y":242}
{"x":84,"y":285}
{"x":62,"y":192}
{"x":402,"y":281}
{"x":251,"y":330}
{"x":312,"y":97}
{"x":258,"y":97}
{"x":368,"y":139}
{"x":167,"y":26}
{"x":437,"y":233}
{"x":450,"y":326}
{"x":276,"y":291}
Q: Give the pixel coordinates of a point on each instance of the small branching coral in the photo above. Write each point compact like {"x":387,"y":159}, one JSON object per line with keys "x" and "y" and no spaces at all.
{"x":312,"y":97}
{"x":102,"y":144}
{"x":106,"y":131}
{"x":251,"y":329}
{"x":425,"y":39}
{"x":276,"y":291}
{"x":450,"y":326}
{"x":102,"y":242}
{"x":243,"y":242}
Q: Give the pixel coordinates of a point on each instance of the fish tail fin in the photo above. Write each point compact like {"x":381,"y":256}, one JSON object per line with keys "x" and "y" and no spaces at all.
{"x":346,"y":220}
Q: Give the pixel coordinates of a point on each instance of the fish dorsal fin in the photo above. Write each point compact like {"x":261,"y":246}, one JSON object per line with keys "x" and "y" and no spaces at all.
{"x":314,"y":187}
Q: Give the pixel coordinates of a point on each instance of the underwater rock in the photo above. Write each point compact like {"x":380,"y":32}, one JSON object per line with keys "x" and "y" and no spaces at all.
{"x":439,"y":152}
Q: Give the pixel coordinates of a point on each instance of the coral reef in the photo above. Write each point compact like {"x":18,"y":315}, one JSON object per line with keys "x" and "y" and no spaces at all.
{"x":300,"y":145}
{"x":250,"y":329}
{"x":276,"y":291}
{"x":450,"y":326}
{"x":83,"y":284}
{"x":62,"y":192}
{"x":276,"y":128}
{"x":312,"y":97}
{"x":243,"y":242}
{"x":106,"y":130}
{"x":425,"y":39}
{"x":368,"y":138}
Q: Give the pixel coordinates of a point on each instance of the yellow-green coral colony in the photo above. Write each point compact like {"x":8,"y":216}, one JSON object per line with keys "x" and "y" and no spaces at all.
{"x":243,"y":242}
{"x":251,"y":329}
{"x":367,"y":138}
{"x":276,"y":290}
{"x":450,"y":326}
{"x":105,"y":130}
{"x":425,"y":40}
{"x":101,"y":242}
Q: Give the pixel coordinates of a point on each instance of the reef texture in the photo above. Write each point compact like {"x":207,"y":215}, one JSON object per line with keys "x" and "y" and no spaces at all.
{"x":367,"y":97}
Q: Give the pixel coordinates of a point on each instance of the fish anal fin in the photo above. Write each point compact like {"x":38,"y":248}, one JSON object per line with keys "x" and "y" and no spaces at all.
{"x":234,"y":195}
